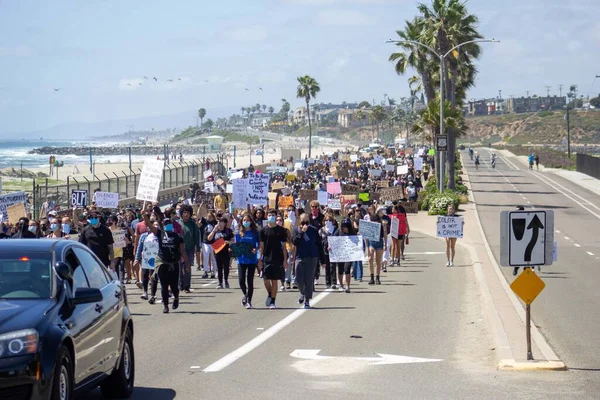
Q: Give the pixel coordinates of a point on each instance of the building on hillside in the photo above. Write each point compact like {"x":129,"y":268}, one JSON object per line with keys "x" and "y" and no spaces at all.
{"x":345,"y":118}
{"x":534,"y":104}
{"x":299,"y":116}
{"x":260,"y":120}
{"x":328,"y":117}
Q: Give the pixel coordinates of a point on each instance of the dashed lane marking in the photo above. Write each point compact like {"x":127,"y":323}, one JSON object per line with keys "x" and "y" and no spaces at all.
{"x":577,"y":245}
{"x":590,"y":253}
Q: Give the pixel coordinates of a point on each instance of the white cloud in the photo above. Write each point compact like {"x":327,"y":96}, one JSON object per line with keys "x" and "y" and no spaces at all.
{"x":344,"y":17}
{"x":15,"y":51}
{"x":255,"y":33}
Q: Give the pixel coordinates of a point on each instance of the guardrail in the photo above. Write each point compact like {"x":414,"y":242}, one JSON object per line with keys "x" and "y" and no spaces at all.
{"x":588,"y":165}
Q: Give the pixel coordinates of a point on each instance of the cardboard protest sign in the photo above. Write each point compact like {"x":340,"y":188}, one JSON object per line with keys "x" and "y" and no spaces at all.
{"x":272,"y":199}
{"x":383,"y":184}
{"x":242,"y":249}
{"x":334,"y":188}
{"x":348,"y":188}
{"x":347,"y":199}
{"x":119,"y":239}
{"x":150,"y":180}
{"x":450,"y":227}
{"x":277,"y":185}
{"x":285,"y":201}
{"x":107,"y":199}
{"x":218,"y":245}
{"x":308,"y":194}
{"x":411,"y":207}
{"x":16,"y":212}
{"x":390,"y":194}
{"x":402,"y":169}
{"x":370,"y":230}
{"x":346,"y":248}
{"x":290,"y":177}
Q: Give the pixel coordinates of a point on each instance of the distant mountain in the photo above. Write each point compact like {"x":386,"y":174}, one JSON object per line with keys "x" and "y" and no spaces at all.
{"x":90,"y":130}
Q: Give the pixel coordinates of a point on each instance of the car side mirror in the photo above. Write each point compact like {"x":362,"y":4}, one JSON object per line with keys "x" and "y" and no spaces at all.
{"x":63,"y":270}
{"x":87,"y":295}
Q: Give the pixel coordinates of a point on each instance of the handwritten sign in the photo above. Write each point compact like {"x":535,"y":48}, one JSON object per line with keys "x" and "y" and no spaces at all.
{"x":348,"y":199}
{"x":395,"y":227}
{"x":285,"y":201}
{"x":107,"y":200}
{"x":334,"y":188}
{"x":346,"y":248}
{"x":334,"y":204}
{"x":150,"y":180}
{"x":119,"y":239}
{"x":322,"y":197}
{"x":402,"y":169}
{"x":277,"y":185}
{"x":450,"y":227}
{"x":149,"y":254}
{"x":258,"y":189}
{"x":390,"y":194}
{"x":411,"y":207}
{"x":239,"y":195}
{"x":10,"y":199}
{"x":272,"y":199}
{"x":207,"y":174}
{"x":370,"y":230}
{"x":365,"y":196}
{"x":290,"y":177}
{"x":242,"y":249}
{"x":419,"y":163}
{"x":15,"y":212}
{"x":375,"y":172}
{"x":348,"y":188}
{"x":308,"y":195}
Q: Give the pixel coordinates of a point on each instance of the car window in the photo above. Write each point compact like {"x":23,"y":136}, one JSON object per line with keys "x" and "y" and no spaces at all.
{"x":93,"y":270}
{"x":25,"y":276}
{"x":79,"y":279}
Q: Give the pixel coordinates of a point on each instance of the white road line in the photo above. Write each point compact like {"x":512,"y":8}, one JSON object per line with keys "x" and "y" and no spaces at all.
{"x":528,"y":202}
{"x":263,"y":337}
{"x":577,"y":245}
{"x":510,"y":164}
{"x":210,"y":283}
{"x":554,"y":185}
{"x":567,"y":238}
{"x":557,"y":231}
{"x":195,"y":367}
{"x":524,"y":198}
{"x":590,"y":253}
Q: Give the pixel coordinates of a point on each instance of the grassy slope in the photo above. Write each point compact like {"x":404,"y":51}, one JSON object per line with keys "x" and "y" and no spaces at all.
{"x":545,"y":127}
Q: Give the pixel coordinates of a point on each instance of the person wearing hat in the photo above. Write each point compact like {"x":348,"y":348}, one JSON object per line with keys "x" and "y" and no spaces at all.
{"x":23,"y":230}
{"x":98,"y":238}
{"x":411,"y":191}
{"x":171,"y":248}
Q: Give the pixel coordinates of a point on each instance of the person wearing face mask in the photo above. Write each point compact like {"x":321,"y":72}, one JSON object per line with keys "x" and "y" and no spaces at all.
{"x":66,"y":225}
{"x":170,"y":249}
{"x":208,"y":254}
{"x":34,"y":228}
{"x":247,"y":262}
{"x":221,"y":231}
{"x":377,"y":248}
{"x":98,"y":238}
{"x":330,"y":229}
{"x":145,"y":259}
{"x":309,"y":250}
{"x":274,"y":255}
{"x":191,"y":236}
{"x":22,"y":230}
{"x":290,"y":274}
{"x":56,"y":229}
{"x":119,"y":266}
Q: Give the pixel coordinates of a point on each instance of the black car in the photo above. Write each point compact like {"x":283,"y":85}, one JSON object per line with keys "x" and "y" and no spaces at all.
{"x":65,"y":326}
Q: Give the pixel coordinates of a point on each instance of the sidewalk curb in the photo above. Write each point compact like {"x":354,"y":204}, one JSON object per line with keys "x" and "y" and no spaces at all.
{"x":552,"y":361}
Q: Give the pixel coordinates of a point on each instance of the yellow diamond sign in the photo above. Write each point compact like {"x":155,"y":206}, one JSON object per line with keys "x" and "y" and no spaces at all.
{"x":528,"y":286}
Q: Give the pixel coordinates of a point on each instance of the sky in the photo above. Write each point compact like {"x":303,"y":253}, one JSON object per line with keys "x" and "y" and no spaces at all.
{"x":97,"y":53}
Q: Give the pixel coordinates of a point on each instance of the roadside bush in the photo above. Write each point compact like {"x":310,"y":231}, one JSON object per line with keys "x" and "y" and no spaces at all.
{"x":439,"y":202}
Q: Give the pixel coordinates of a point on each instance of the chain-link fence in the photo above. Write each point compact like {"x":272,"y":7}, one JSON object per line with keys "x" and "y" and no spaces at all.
{"x":125,"y":183}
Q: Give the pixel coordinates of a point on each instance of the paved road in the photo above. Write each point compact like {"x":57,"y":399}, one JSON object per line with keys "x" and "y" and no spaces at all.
{"x":422,"y":309}
{"x":567,"y":310}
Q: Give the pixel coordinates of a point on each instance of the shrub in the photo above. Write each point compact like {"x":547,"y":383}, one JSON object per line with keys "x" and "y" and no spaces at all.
{"x":439,"y":202}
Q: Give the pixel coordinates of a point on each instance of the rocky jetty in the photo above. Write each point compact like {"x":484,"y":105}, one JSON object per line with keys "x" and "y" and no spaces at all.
{"x":120,"y":150}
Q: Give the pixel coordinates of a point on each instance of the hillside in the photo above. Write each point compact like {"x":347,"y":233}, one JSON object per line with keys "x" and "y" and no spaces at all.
{"x":546,"y":127}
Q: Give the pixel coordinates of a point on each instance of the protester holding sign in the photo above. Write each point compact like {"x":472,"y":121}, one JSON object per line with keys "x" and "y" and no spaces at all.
{"x":330,"y":229}
{"x":309,"y":250}
{"x":451,"y":241}
{"x":400,"y":235}
{"x":376,"y":248}
{"x":343,"y":268}
{"x":222,"y":232}
{"x":146,"y":253}
{"x":248,"y":234}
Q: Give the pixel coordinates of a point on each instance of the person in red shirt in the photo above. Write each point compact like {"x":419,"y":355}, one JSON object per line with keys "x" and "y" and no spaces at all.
{"x":403,"y":231}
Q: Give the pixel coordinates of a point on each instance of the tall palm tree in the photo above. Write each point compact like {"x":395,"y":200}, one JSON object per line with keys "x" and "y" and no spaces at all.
{"x":308,"y":88}
{"x":264,"y":108}
{"x":271,"y":110}
{"x":428,"y":121}
{"x":378,"y":116}
{"x":201,"y":115}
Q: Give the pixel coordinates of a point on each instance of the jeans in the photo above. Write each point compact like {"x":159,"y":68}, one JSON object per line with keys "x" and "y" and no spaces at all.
{"x":305,"y":275}
{"x":246,"y":273}
{"x":186,"y":276}
{"x":168,"y":274}
{"x":357,"y":270}
{"x":290,"y":276}
{"x":149,"y":277}
{"x":223,"y":265}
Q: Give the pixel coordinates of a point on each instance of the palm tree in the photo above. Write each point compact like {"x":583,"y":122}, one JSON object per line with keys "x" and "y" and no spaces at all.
{"x":271,"y":110}
{"x":378,"y":116}
{"x":201,"y":115}
{"x":308,"y":88}
{"x":264,"y":108}
{"x":428,"y":121}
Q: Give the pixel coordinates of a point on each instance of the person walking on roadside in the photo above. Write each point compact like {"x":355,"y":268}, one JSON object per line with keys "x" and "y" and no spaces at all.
{"x":208,"y":254}
{"x":221,"y":231}
{"x":451,"y":242}
{"x":290,"y":275}
{"x":309,"y":250}
{"x":145,"y":260}
{"x":536,"y":158}
{"x":170,"y":249}
{"x":343,"y":268}
{"x":274,"y":256}
{"x":248,"y":233}
{"x":330,"y":229}
{"x":191,"y":235}
{"x":376,"y":248}
{"x":530,"y":160}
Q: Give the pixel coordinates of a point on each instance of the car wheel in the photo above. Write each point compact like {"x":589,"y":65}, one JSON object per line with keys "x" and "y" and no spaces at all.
{"x":120,"y":382}
{"x":62,"y":383}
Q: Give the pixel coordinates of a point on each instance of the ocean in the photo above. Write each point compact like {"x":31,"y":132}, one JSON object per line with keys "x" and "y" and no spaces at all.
{"x":14,"y":152}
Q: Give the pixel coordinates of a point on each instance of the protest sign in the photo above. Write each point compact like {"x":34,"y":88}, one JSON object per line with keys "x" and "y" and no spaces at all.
{"x":10,"y":199}
{"x":370,"y":230}
{"x":402,"y":169}
{"x":229,"y":188}
{"x":209,"y":187}
{"x":394,"y":227}
{"x":286,"y":191}
{"x":419,"y":164}
{"x":334,"y":188}
{"x":242,"y":249}
{"x":411,"y":207}
{"x":107,"y":199}
{"x":150,"y":180}
{"x":239,"y":195}
{"x":258,"y":187}
{"x":78,"y":198}
{"x":285,"y":201}
{"x":277,"y":185}
{"x":15,"y":212}
{"x":308,"y":194}
{"x":450,"y":227}
{"x":119,"y":239}
{"x":334,"y":204}
{"x":149,"y":254}
{"x":207,"y":174}
{"x":346,"y":248}
{"x":390,"y":167}
{"x":347,"y":199}
{"x":348,"y":188}
{"x":218,"y":245}
{"x":237,"y":175}
{"x":322,"y":197}
{"x":353,"y":157}
{"x":290,"y":177}
{"x":383,"y":184}
{"x":272,"y":199}
{"x":365,"y":196}
{"x":330,"y":178}
{"x":390,"y":194}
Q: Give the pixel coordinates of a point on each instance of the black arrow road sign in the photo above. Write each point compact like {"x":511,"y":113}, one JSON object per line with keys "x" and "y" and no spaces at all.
{"x":535,"y":225}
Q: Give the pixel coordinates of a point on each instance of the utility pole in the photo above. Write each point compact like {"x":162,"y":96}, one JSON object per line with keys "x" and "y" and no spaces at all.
{"x":527,"y":91}
{"x":548,"y":91}
{"x":568,"y":134}
{"x":500,"y":94}
{"x":560,"y":90}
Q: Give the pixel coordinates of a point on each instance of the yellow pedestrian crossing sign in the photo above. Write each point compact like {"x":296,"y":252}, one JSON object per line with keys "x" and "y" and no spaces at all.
{"x":528,"y":286}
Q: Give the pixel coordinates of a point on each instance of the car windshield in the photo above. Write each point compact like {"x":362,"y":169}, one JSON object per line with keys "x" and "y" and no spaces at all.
{"x":25,"y":276}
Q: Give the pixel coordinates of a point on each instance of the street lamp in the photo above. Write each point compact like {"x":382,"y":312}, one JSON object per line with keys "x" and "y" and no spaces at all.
{"x":442,"y":58}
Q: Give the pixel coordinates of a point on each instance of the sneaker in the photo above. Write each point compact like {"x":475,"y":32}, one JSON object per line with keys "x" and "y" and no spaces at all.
{"x":249,"y":306}
{"x":327,"y":287}
{"x":226,"y":285}
{"x":287,"y":285}
{"x":244,"y":301}
{"x":403,"y":258}
{"x":282,"y":288}
{"x":448,"y":263}
{"x":316,"y":282}
{"x":372,"y":282}
{"x":451,"y":264}
{"x":139,"y":284}
{"x":341,"y":289}
{"x":347,"y":290}
{"x":334,"y":287}
{"x":205,"y":276}
{"x":384,"y":269}
{"x":198,"y":268}
{"x":294,"y":285}
{"x":175,"y":303}
{"x":212,"y":276}
{"x":144,"y":296}
{"x":377,"y":281}
{"x":268,"y":301}
{"x":220,"y":286}
{"x":307,"y":304}
{"x":166,"y":310}
{"x":301,"y":299}
{"x":272,"y":306}
{"x":188,"y":290}
{"x":152,"y":300}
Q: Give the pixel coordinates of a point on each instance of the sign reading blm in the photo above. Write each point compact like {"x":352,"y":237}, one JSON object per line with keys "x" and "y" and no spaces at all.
{"x":526,"y":238}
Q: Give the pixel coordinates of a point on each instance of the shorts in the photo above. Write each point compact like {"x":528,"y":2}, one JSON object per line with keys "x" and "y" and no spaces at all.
{"x":274,"y":272}
{"x":376,"y":245}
